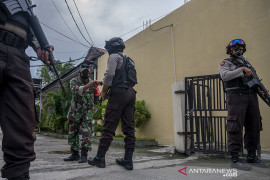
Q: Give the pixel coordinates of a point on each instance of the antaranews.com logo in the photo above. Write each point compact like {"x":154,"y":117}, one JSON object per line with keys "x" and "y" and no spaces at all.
{"x":224,"y":172}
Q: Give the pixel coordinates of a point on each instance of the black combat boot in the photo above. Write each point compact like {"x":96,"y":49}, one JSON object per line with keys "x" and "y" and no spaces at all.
{"x":99,"y":160}
{"x":126,"y":161}
{"x":25,"y":176}
{"x":74,"y":156}
{"x":255,"y":161}
{"x":84,"y":153}
{"x":236,"y":163}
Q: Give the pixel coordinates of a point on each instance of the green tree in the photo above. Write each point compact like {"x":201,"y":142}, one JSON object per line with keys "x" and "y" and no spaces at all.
{"x":47,"y":76}
{"x":55,"y":110}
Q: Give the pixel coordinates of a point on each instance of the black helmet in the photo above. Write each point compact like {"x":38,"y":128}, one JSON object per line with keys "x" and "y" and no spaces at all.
{"x":114,"y":42}
{"x":235,"y":42}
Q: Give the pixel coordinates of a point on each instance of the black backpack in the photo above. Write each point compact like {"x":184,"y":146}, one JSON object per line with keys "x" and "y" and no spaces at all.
{"x":131,"y":73}
{"x":127,"y":72}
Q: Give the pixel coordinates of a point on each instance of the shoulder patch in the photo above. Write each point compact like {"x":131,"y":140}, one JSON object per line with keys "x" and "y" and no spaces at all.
{"x":222,"y":63}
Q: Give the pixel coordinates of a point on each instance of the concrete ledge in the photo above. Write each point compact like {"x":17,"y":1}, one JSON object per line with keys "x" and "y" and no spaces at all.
{"x":115,"y":141}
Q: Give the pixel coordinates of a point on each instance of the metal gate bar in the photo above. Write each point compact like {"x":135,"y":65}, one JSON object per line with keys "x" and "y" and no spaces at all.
{"x":204,"y":104}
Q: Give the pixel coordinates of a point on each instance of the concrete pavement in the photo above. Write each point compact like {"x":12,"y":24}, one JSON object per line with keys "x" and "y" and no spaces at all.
{"x":149,"y":163}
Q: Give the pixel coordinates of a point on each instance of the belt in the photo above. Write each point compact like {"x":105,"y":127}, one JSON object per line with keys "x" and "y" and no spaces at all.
{"x":13,"y":40}
{"x":241,"y":91}
{"x":124,"y":85}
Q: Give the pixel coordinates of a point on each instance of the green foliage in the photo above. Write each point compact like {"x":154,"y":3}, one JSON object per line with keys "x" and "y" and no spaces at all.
{"x":56,"y":107}
{"x":48,"y":76}
{"x":101,"y":111}
{"x":55,"y":110}
{"x":142,"y":114}
{"x":37,"y":109}
{"x":104,"y":104}
{"x":98,"y":127}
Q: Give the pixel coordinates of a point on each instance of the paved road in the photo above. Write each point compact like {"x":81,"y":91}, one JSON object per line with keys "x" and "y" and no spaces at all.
{"x":149,"y":165}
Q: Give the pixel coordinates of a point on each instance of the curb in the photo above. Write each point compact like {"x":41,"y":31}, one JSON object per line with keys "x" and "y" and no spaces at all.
{"x":115,"y":141}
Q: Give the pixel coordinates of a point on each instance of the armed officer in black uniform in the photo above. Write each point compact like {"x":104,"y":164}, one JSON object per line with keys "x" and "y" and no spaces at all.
{"x":120,"y":106}
{"x":17,"y":109}
{"x":242,"y":105}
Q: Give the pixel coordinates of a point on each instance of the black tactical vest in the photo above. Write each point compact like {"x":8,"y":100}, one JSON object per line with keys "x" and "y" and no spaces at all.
{"x":120,"y":76}
{"x":20,"y":19}
{"x":3,"y":16}
{"x":237,"y":82}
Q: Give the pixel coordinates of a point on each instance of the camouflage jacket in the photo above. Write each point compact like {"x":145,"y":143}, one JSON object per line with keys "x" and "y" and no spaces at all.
{"x":82,"y":103}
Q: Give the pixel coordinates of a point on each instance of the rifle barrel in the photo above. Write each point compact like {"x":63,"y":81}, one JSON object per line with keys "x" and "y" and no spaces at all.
{"x":39,"y":33}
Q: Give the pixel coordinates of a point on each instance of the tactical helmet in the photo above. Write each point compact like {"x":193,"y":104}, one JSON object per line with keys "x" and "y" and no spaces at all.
{"x":235,"y":42}
{"x":114,"y":42}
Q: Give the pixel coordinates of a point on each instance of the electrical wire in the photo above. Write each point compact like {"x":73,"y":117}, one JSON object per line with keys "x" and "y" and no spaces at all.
{"x":159,"y":28}
{"x":64,"y":20}
{"x":83,"y":23}
{"x":131,"y":31}
{"x":140,"y":26}
{"x":70,"y":61}
{"x":76,"y":23}
{"x":82,"y":56}
{"x":59,"y":51}
{"x":63,"y":34}
{"x":32,"y":58}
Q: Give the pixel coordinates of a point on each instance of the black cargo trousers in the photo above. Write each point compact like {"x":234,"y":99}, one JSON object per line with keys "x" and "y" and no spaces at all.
{"x":17,"y":113}
{"x":243,"y":110}
{"x":120,"y":106}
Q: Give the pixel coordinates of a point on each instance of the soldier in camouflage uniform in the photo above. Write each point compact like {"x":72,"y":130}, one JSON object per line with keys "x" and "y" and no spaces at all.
{"x":81,"y":115}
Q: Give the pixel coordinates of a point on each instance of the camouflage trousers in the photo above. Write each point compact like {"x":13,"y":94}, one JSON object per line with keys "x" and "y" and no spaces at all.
{"x":86,"y":129}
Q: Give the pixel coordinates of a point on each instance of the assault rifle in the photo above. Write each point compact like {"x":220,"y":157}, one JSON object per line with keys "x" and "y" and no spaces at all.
{"x":255,"y":82}
{"x":14,"y":6}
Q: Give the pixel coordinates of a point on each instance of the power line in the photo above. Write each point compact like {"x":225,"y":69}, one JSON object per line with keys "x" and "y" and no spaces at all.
{"x":76,"y":23}
{"x":70,"y":61}
{"x":131,"y":31}
{"x":74,"y":61}
{"x":64,"y":20}
{"x":159,"y":28}
{"x":82,"y":56}
{"x":140,"y":26}
{"x":83,"y":23}
{"x":63,"y":34}
{"x":56,"y":39}
{"x":60,"y":51}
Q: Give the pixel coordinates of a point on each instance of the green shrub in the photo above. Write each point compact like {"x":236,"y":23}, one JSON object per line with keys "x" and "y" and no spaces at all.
{"x":56,"y":106}
{"x":101,"y":111}
{"x":142,"y":114}
{"x":55,"y":110}
{"x":98,"y":127}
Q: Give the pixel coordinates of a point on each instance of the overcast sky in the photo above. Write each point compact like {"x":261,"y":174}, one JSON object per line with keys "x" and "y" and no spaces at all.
{"x":103,"y":19}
